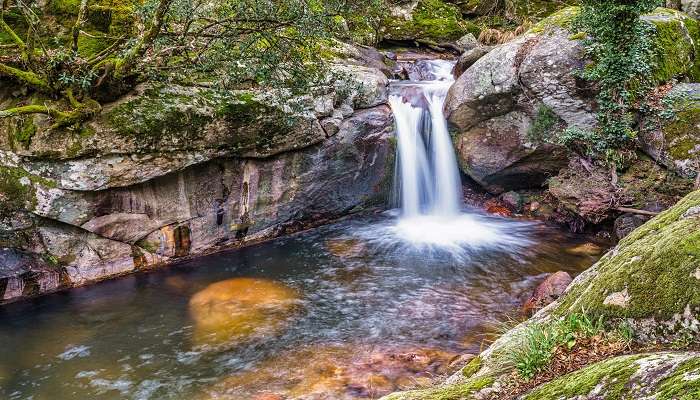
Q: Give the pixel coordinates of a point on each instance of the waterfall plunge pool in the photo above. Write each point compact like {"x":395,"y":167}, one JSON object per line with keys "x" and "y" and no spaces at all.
{"x":339,"y":312}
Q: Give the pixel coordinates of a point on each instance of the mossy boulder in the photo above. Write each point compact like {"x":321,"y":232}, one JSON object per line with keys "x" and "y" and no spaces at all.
{"x":673,"y":137}
{"x":675,"y":40}
{"x":661,"y":376}
{"x":427,"y":21}
{"x":652,"y":273}
{"x":676,"y":44}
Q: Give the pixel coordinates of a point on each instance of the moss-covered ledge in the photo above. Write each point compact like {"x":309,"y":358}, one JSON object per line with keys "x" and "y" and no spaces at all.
{"x":431,"y":21}
{"x":660,"y":376}
{"x":652,"y":273}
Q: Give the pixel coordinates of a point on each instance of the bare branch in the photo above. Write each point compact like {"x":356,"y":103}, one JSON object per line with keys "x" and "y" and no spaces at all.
{"x":79,"y":22}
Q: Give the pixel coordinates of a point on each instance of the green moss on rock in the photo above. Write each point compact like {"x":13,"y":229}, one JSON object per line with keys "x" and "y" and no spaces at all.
{"x":682,"y":133}
{"x":181,"y":116}
{"x":160,"y":113}
{"x":673,"y":136}
{"x":683,"y":383}
{"x":563,"y":19}
{"x":608,"y":377}
{"x":660,"y":376}
{"x":431,"y":21}
{"x":653,"y":272}
{"x":472,"y":368}
{"x":538,"y":9}
{"x":673,"y":43}
{"x":17,"y":190}
{"x":462,"y":391}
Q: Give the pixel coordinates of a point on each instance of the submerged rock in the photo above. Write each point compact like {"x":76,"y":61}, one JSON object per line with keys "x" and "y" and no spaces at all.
{"x":345,"y":248}
{"x":235,"y":310}
{"x":586,"y":249}
{"x":338,"y":373}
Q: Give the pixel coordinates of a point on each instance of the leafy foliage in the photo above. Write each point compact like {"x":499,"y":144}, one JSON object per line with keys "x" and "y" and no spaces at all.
{"x":228,"y":43}
{"x":543,"y":125}
{"x":620,"y":45}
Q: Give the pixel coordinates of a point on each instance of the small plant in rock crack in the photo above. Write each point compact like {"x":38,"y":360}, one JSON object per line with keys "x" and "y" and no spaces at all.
{"x":539,"y":341}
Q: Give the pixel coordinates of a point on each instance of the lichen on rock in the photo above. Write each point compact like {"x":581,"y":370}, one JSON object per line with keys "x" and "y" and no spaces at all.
{"x":656,"y":375}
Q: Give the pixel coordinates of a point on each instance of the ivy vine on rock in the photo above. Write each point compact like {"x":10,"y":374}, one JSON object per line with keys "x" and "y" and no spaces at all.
{"x":620,"y":44}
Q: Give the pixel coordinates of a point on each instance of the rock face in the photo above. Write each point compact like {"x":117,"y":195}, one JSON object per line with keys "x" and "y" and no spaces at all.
{"x":508,"y":108}
{"x":169,"y":172}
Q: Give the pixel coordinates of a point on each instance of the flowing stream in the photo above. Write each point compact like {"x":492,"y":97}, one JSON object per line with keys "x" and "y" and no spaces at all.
{"x":352,"y":310}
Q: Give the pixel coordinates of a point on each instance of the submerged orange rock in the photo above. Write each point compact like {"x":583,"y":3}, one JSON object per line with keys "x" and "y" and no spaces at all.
{"x":238,"y":309}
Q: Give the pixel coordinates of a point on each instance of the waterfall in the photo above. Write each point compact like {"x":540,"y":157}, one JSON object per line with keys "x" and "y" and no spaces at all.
{"x":432,"y":220}
{"x":428,"y":177}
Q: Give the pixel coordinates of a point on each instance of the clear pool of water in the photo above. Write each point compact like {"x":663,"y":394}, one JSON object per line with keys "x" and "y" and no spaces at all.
{"x":350,"y":310}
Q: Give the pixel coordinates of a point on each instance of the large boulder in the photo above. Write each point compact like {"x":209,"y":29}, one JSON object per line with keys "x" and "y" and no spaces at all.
{"x":515,"y":100}
{"x":498,"y":155}
{"x":652,"y":273}
{"x":493,"y":106}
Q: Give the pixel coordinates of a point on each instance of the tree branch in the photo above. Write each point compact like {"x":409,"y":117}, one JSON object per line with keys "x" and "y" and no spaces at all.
{"x":124,"y":65}
{"x":10,"y":31}
{"x":32,"y":109}
{"x":26,"y":77}
{"x":79,"y":22}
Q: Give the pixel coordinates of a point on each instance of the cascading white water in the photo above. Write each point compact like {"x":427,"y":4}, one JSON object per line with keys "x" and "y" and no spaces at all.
{"x":428,"y":177}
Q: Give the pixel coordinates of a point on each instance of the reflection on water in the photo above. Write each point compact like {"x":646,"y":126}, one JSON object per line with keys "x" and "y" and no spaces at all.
{"x":342,"y":312}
